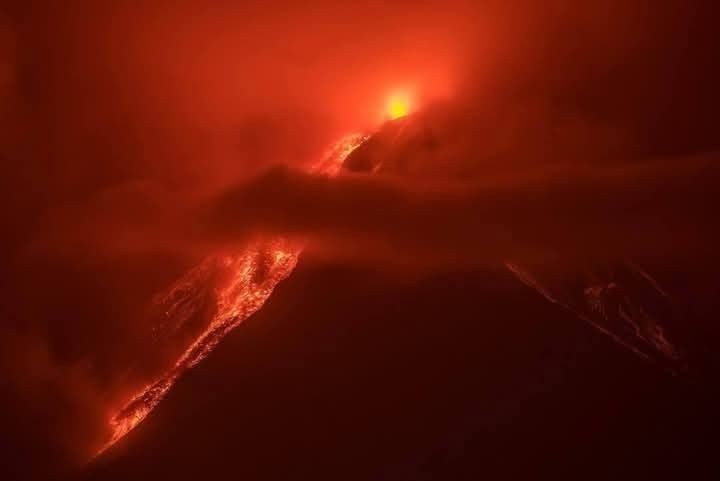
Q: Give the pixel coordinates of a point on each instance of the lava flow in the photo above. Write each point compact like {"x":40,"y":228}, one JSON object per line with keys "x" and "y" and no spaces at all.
{"x":247,"y":280}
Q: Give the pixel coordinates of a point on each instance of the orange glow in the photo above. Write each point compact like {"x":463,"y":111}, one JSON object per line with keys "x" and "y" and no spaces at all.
{"x":398,"y":106}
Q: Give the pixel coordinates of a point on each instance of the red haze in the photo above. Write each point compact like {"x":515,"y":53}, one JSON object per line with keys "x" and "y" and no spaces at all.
{"x":118,"y":122}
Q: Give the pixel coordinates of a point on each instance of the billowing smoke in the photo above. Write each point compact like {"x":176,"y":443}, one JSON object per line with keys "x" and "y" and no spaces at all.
{"x":651,"y":210}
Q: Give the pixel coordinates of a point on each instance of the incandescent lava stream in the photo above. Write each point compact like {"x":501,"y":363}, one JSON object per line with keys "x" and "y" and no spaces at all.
{"x":248,"y":279}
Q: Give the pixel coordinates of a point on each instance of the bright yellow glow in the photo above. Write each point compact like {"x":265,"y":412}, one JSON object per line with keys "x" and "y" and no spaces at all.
{"x":398,"y":106}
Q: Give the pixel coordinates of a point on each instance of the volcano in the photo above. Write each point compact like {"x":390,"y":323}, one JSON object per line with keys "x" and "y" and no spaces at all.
{"x":591,"y":369}
{"x":359,"y":240}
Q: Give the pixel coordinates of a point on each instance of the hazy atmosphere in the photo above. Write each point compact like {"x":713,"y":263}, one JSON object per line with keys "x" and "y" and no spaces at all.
{"x":500,"y":216}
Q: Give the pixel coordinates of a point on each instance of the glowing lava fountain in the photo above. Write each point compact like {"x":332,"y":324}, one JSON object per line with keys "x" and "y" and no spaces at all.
{"x":247,"y":280}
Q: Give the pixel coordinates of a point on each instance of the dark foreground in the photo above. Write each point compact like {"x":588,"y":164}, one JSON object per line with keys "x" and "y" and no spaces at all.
{"x":346,"y":374}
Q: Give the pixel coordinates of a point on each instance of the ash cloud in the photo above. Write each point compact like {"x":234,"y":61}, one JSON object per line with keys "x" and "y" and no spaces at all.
{"x":587,"y":130}
{"x":650,"y":211}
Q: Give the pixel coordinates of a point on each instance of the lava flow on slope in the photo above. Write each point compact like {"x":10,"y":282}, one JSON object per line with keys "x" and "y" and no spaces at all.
{"x":247,"y":280}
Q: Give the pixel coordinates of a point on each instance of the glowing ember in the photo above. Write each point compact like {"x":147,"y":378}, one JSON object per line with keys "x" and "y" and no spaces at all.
{"x":248,"y":279}
{"x":398,"y":106}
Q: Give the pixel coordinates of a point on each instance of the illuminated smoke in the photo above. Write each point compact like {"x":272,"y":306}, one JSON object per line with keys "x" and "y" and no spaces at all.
{"x":247,"y":280}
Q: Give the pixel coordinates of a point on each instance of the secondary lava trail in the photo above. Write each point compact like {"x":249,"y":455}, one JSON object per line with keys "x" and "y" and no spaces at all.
{"x":622,"y":302}
{"x":246,"y":281}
